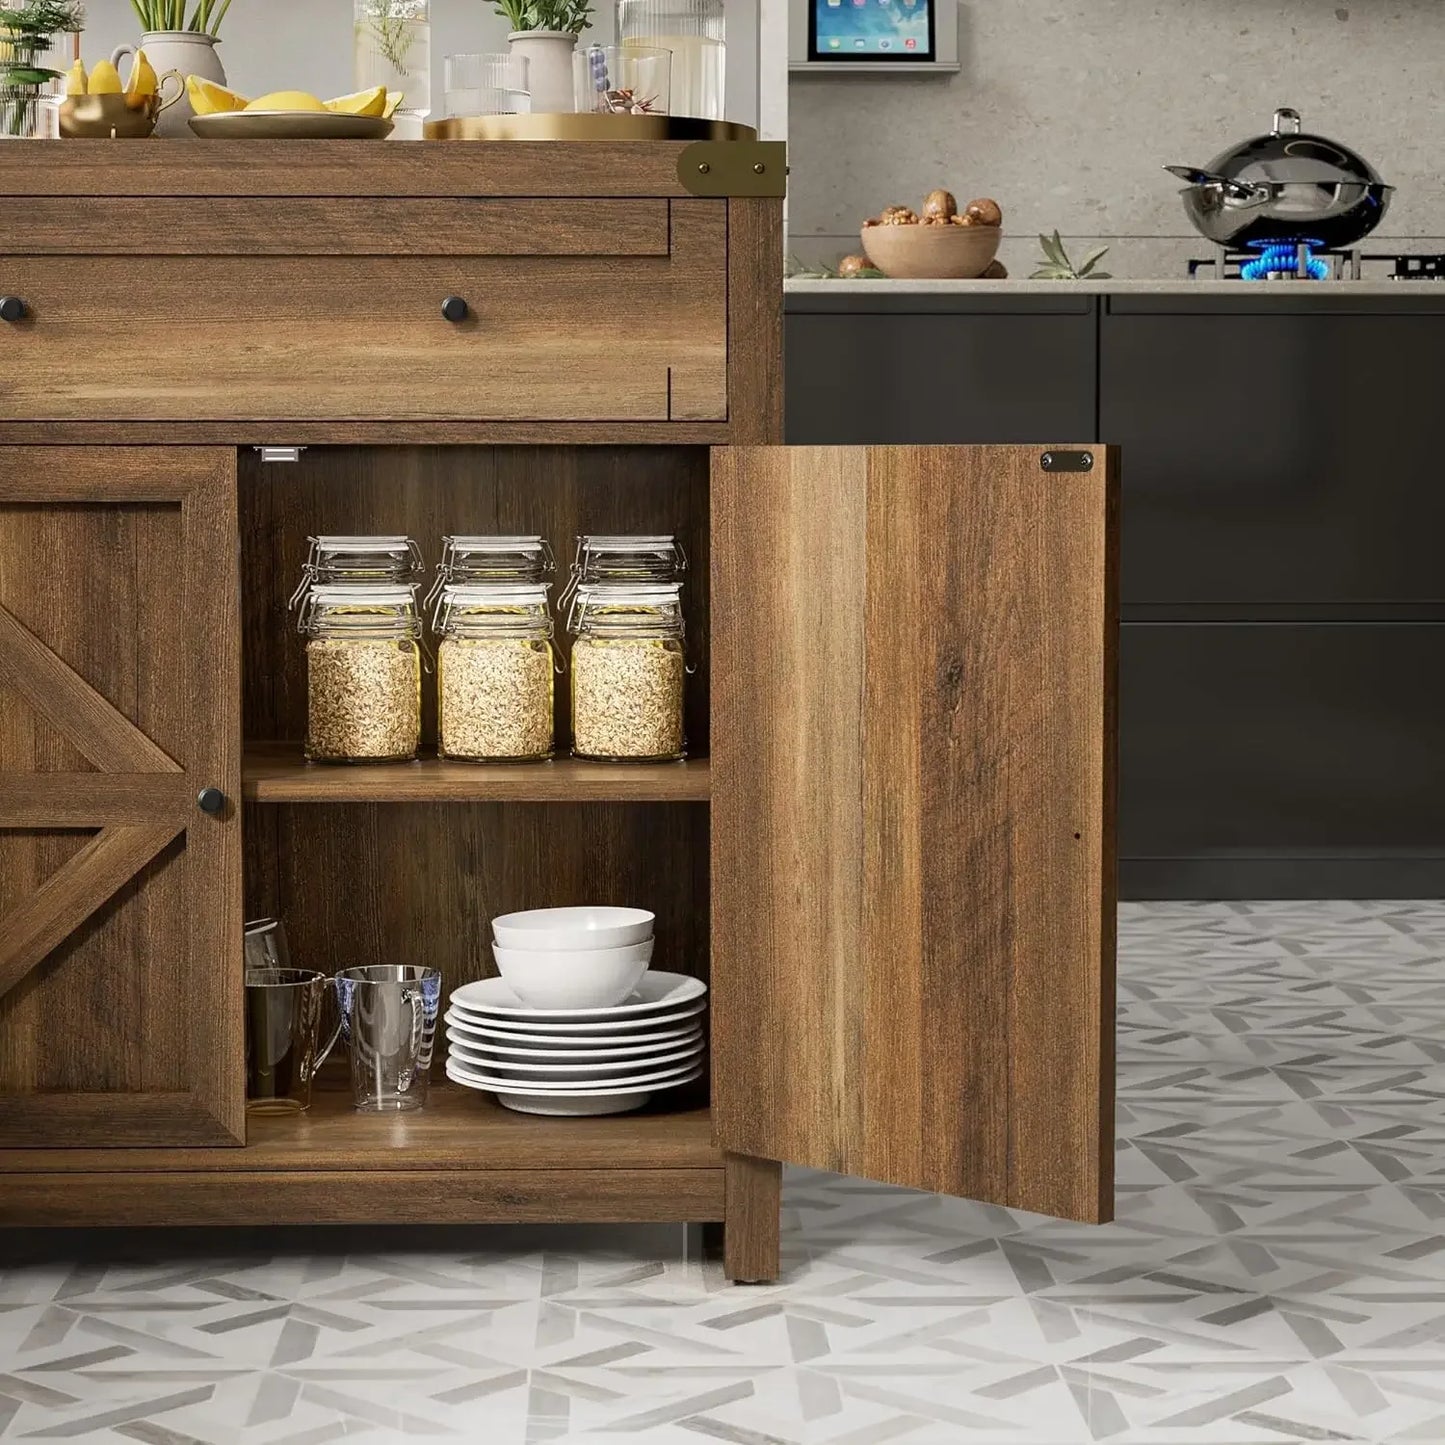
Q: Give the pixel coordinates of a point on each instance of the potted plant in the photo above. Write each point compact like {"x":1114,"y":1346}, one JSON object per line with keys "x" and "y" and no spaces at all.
{"x":179,"y":35}
{"x":546,"y":31}
{"x":27,"y":30}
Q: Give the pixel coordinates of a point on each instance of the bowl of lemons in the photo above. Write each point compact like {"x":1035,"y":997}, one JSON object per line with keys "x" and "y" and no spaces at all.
{"x":222,"y":114}
{"x":98,"y":107}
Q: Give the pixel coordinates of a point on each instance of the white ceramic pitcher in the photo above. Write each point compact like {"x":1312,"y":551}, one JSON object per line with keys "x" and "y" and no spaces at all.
{"x":188,"y":51}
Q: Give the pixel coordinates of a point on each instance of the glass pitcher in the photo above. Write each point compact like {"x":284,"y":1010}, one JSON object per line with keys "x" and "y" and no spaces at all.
{"x":695,"y":32}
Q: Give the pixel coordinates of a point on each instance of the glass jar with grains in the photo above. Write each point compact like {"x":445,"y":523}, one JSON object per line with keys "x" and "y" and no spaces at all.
{"x":495,"y":665}
{"x":628,"y":670}
{"x":363,"y":673}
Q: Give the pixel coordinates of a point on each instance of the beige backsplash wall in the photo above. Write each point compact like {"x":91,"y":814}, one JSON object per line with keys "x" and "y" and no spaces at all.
{"x":1065,"y":110}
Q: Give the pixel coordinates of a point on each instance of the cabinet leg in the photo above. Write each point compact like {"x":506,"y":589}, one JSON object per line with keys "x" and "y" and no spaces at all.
{"x":753,"y":1204}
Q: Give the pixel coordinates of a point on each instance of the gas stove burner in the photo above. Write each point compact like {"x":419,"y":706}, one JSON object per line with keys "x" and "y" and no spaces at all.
{"x":1280,"y":260}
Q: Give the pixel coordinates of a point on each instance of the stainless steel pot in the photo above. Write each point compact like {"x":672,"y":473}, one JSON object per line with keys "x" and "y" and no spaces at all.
{"x":1285,"y":186}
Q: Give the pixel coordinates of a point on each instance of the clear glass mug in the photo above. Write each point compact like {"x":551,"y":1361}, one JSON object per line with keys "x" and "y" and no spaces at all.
{"x":283,"y":1023}
{"x":389,"y":1018}
{"x":496,"y":84}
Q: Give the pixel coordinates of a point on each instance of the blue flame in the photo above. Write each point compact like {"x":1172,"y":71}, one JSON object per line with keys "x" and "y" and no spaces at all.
{"x":1283,"y":256}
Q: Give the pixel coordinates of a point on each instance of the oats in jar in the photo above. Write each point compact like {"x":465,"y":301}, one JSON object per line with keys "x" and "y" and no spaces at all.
{"x":627,"y":695}
{"x":363,"y":699}
{"x":495,"y":698}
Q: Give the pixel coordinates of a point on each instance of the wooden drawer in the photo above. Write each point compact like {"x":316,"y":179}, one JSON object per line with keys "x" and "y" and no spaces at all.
{"x":587,"y":336}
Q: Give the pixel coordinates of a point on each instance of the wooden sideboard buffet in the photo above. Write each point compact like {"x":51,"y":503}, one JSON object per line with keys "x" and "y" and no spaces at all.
{"x":891,"y":850}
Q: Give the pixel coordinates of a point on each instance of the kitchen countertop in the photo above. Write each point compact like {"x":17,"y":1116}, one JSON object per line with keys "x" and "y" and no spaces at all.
{"x":1163,"y":286}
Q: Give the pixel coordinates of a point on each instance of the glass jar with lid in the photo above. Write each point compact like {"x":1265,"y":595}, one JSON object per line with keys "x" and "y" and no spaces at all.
{"x":492,"y":559}
{"x":695,"y":32}
{"x":628,"y":672}
{"x":603,"y":558}
{"x":495,"y":667}
{"x":338,"y":560}
{"x":363,"y":672}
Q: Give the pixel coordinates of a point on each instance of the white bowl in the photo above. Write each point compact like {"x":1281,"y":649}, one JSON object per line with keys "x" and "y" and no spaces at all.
{"x":593,"y":978}
{"x":573,"y":930}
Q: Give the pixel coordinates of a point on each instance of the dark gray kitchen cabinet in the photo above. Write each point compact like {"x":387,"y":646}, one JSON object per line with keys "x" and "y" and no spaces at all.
{"x":937,"y":368}
{"x":1277,"y":452}
{"x":1281,"y":759}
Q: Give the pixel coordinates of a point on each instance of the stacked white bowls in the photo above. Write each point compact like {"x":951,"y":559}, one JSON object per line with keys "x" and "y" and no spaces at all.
{"x":577,"y":1023}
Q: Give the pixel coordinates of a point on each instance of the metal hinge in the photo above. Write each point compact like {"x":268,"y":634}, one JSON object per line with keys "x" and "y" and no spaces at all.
{"x":279,"y":454}
{"x":734,"y":168}
{"x":1067,"y":461}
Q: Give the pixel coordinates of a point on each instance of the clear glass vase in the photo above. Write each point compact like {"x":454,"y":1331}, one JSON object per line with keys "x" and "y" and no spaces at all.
{"x":392,"y":47}
{"x":694,"y":32}
{"x":23,"y":80}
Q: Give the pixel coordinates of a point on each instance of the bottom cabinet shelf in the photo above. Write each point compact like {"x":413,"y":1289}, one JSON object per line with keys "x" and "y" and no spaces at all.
{"x":463,"y":1159}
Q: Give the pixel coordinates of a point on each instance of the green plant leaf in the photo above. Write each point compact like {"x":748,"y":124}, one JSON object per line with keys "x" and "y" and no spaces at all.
{"x":1092,"y":260}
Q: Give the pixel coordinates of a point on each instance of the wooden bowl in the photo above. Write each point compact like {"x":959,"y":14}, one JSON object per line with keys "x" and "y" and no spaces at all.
{"x":926,"y":253}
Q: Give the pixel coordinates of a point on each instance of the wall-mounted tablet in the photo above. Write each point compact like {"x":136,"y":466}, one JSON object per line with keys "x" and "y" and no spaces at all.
{"x":854,"y":30}
{"x":902,"y":36}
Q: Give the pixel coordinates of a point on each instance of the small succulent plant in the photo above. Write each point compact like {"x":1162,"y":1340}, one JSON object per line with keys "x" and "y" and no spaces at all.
{"x":1056,"y":265}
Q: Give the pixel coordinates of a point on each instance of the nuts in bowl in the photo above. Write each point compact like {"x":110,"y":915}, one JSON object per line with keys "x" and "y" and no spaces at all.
{"x":943,"y":242}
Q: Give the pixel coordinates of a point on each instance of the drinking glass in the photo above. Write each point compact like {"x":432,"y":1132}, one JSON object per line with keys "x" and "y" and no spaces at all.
{"x":389,"y":1018}
{"x":494,"y":84}
{"x":622,"y":80}
{"x":283,"y":1020}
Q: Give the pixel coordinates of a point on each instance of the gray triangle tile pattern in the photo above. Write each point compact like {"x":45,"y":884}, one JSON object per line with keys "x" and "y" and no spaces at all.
{"x":1276,"y":1273}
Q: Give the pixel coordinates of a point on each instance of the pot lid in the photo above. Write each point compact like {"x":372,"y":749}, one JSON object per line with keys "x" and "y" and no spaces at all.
{"x":1287,"y":154}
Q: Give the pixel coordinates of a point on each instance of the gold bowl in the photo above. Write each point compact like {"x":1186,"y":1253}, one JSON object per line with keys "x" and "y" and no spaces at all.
{"x":944,"y":253}
{"x":117,"y":117}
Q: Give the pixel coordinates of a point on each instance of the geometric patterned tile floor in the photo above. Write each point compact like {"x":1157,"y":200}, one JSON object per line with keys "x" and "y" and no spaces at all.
{"x":1276,"y":1273}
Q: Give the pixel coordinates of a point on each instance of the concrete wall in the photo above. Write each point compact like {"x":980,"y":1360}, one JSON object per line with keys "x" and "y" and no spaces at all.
{"x":1065,"y":110}
{"x":306,"y":44}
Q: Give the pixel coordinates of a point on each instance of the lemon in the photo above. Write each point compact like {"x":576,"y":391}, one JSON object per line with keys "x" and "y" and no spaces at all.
{"x":104,"y":79}
{"x":363,"y":102}
{"x":75,"y":79}
{"x":142,"y":76}
{"x":208,"y":98}
{"x":286,"y":100}
{"x":393,"y":99}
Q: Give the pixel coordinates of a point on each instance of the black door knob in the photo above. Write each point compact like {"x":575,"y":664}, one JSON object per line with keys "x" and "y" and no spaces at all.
{"x":210,"y":800}
{"x":12,"y":308}
{"x":455,"y":308}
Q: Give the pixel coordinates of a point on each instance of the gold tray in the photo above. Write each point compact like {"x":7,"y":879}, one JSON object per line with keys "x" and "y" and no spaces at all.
{"x":584,"y":126}
{"x":290,"y":125}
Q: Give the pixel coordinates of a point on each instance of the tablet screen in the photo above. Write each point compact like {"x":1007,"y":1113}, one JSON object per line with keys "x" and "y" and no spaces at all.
{"x":872,"y":30}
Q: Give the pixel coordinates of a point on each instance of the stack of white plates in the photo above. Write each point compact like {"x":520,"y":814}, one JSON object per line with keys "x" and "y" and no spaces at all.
{"x":577,"y":1023}
{"x":581,"y":1060}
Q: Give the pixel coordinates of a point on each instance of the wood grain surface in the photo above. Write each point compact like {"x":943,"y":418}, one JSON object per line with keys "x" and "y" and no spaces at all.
{"x":459,"y":1129}
{"x":314,"y":338}
{"x":120,"y":906}
{"x":337,"y":226}
{"x":755,"y":321}
{"x":369,"y":1196}
{"x":752,"y":1236}
{"x":912,"y":865}
{"x":307,"y":169}
{"x":278,"y":773}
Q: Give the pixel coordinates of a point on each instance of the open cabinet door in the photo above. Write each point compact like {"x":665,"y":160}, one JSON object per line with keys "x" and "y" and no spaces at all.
{"x":913,"y":736}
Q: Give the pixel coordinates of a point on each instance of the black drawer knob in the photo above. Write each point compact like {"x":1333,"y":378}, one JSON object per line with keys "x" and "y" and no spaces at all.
{"x":12,"y":309}
{"x":211,"y":800}
{"x":455,"y":308}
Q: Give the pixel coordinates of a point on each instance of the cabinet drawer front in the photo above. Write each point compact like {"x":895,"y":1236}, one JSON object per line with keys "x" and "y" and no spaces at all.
{"x":339,"y":226}
{"x":294,"y":338}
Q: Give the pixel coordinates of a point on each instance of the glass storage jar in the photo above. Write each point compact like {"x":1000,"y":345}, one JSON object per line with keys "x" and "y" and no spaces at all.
{"x":696,"y":34}
{"x":391,"y":46}
{"x":363,"y":673}
{"x":495,"y":666}
{"x":338,"y":560}
{"x":492,"y":559}
{"x":605,"y":558}
{"x":628,"y":672}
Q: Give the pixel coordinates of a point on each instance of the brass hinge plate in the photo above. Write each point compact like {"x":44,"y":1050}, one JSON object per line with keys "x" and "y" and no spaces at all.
{"x":734,"y":168}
